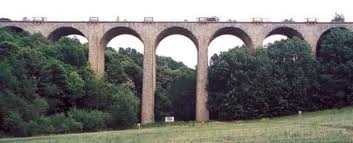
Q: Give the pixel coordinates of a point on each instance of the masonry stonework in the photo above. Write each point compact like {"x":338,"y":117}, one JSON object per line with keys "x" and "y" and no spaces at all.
{"x":100,"y":33}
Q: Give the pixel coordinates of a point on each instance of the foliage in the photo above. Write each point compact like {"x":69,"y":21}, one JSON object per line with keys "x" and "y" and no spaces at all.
{"x":14,"y":124}
{"x":183,"y":95}
{"x":93,"y":120}
{"x":125,"y":66}
{"x":335,"y":54}
{"x":290,"y":20}
{"x":251,"y":83}
{"x":338,"y":18}
{"x":48,"y":87}
{"x":124,"y":108}
{"x":175,"y":87}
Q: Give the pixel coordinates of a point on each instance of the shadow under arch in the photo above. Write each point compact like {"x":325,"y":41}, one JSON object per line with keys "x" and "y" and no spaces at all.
{"x":237,"y":32}
{"x":286,"y":31}
{"x":14,"y":28}
{"x":116,"y":31}
{"x":176,"y":30}
{"x":322,"y":35}
{"x":64,"y":31}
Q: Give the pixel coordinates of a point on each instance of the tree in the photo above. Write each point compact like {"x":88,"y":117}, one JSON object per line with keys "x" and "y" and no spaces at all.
{"x":246,"y":83}
{"x":338,"y":18}
{"x":42,"y":82}
{"x":290,"y":20}
{"x":183,"y":95}
{"x":335,"y":55}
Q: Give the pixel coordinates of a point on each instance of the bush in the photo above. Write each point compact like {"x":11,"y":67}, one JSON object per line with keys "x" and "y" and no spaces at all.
{"x":124,"y":108}
{"x":63,"y":124}
{"x":15,"y":125}
{"x":91,"y":120}
{"x":41,"y":126}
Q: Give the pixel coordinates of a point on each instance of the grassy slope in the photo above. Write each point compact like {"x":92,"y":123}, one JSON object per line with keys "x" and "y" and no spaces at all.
{"x":319,"y":127}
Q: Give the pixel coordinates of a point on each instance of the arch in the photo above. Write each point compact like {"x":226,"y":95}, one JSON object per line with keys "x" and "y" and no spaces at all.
{"x":237,"y":32}
{"x":176,"y":30}
{"x":14,"y":28}
{"x":322,"y":35}
{"x":286,"y":31}
{"x":64,"y":31}
{"x":187,"y":38}
{"x":111,"y":33}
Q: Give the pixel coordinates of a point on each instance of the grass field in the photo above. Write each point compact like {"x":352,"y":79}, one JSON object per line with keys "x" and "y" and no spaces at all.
{"x":330,"y":126}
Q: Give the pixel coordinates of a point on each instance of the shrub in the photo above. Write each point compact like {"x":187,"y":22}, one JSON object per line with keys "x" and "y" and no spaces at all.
{"x":41,"y":126}
{"x":91,"y":120}
{"x":124,"y":108}
{"x":63,"y":124}
{"x":15,"y":125}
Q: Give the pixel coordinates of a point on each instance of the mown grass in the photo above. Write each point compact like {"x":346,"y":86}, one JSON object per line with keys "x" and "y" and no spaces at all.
{"x":329,"y":126}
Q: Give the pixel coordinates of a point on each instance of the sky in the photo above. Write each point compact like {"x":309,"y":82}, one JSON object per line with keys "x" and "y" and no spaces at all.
{"x":178,"y":47}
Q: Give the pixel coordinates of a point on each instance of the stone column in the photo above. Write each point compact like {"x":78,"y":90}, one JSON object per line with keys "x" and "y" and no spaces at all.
{"x":257,"y":40}
{"x":312,"y":41}
{"x":257,"y":43}
{"x":96,"y":55}
{"x":147,"y":108}
{"x":154,"y":70}
{"x":201,"y":82}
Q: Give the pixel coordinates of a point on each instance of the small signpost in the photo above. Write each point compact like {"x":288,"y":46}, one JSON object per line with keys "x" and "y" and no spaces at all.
{"x":169,"y":119}
{"x":300,"y":113}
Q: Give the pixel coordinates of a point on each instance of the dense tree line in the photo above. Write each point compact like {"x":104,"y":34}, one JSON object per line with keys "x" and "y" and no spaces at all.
{"x":48,"y":87}
{"x":283,"y":78}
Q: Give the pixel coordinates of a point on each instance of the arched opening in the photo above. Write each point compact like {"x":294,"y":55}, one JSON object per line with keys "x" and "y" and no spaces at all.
{"x":81,"y":39}
{"x":67,"y":31}
{"x":279,"y":34}
{"x":126,"y":41}
{"x":223,"y":43}
{"x":117,"y":31}
{"x":322,"y":37}
{"x":123,"y":58}
{"x":13,"y":29}
{"x":74,"y":51}
{"x":176,"y":59}
{"x":237,"y":32}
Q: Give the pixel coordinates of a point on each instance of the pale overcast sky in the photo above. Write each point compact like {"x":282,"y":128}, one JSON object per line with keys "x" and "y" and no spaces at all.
{"x":176,"y":46}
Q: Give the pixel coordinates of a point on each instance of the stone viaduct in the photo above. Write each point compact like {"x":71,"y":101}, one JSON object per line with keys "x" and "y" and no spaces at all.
{"x":201,"y":34}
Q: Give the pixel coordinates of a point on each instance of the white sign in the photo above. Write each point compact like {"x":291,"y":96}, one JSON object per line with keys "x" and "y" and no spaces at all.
{"x":169,"y":119}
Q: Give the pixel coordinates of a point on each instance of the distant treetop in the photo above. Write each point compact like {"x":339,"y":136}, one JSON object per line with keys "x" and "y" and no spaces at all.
{"x":338,"y":18}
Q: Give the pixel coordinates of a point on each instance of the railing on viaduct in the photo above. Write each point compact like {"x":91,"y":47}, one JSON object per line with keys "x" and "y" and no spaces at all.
{"x":99,"y":33}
